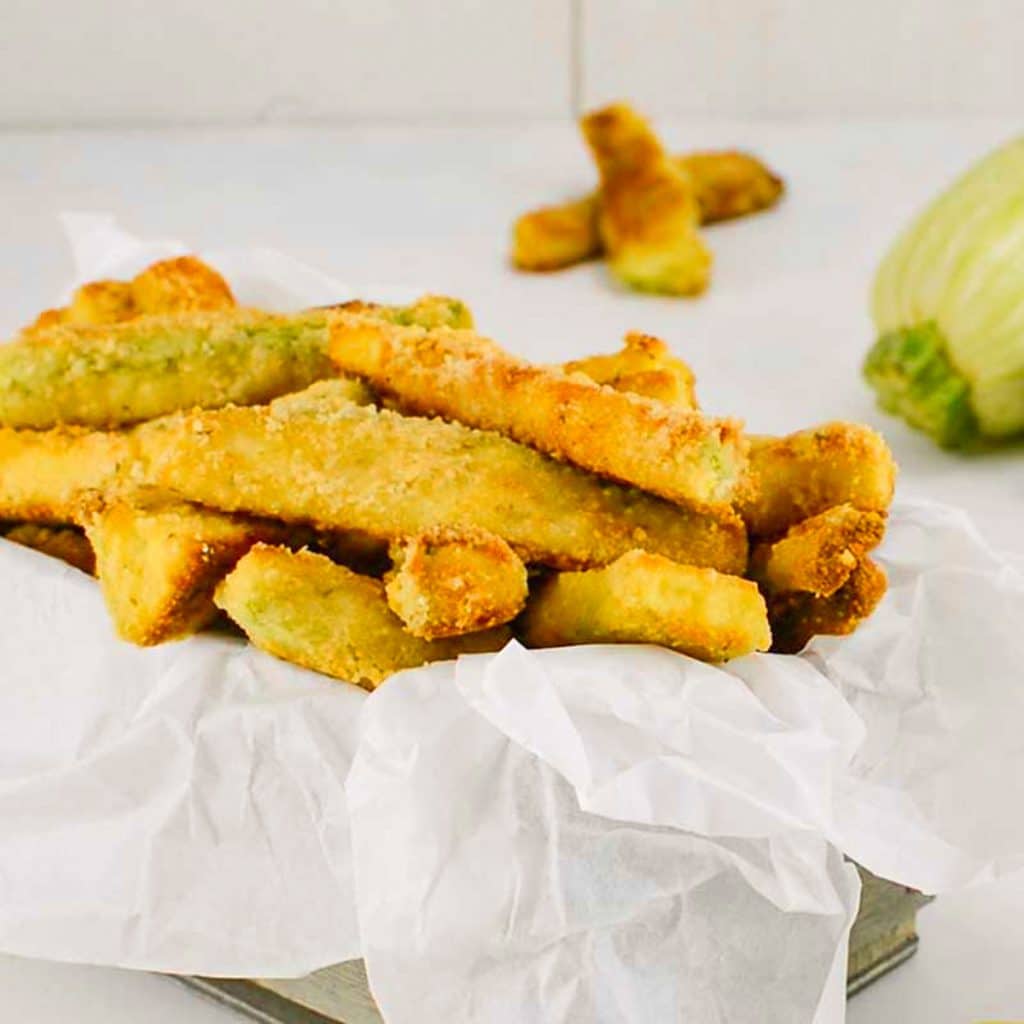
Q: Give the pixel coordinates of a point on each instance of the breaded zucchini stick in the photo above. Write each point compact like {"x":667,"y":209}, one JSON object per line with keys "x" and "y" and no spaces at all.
{"x":124,"y":373}
{"x":427,"y":311}
{"x":305,"y":609}
{"x":390,"y":476}
{"x":645,"y":366}
{"x":554,"y":237}
{"x":677,"y":454}
{"x":649,"y":212}
{"x":726,"y":183}
{"x":159,"y":560}
{"x":818,"y":555}
{"x":798,"y":476}
{"x":446,"y":583}
{"x":44,"y":473}
{"x":796,"y":617}
{"x":68,"y":543}
{"x":645,"y":598}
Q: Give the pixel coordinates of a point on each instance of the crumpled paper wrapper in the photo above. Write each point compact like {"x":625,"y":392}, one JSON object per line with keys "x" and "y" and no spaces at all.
{"x":592,"y":834}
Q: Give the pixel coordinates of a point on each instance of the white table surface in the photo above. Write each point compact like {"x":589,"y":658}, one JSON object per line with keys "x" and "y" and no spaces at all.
{"x":778,"y":341}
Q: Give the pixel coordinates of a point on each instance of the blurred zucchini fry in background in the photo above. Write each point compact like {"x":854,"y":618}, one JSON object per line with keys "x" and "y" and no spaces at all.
{"x":446,"y":583}
{"x":648,"y":214}
{"x":645,"y":598}
{"x":645,"y":366}
{"x":303,"y":607}
{"x":727,"y":184}
{"x":677,"y":454}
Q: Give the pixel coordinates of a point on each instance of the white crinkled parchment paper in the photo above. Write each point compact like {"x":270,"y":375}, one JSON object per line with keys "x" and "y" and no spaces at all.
{"x":596,"y":834}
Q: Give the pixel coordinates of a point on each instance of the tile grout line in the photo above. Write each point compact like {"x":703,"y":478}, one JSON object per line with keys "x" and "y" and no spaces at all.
{"x":576,"y":56}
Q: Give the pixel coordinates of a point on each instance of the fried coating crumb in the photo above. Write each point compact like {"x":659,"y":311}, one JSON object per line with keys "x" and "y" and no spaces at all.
{"x":302,"y":607}
{"x":102,"y":302}
{"x":677,"y":454}
{"x":818,"y":555}
{"x":649,"y":213}
{"x":68,"y":543}
{"x":801,"y":475}
{"x":447,"y":583}
{"x":645,"y":366}
{"x":387,"y":475}
{"x":645,"y":598}
{"x":159,"y":560}
{"x":796,"y":616}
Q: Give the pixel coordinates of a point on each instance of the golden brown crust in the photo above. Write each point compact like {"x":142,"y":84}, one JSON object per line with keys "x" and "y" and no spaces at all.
{"x":302,"y":607}
{"x":361,"y":468}
{"x":677,"y":454}
{"x":645,"y":366}
{"x":448,"y":582}
{"x":796,"y":617}
{"x":803,"y":474}
{"x":818,"y":555}
{"x":644,"y":598}
{"x":648,"y":212}
{"x":180,"y":285}
{"x":68,"y":543}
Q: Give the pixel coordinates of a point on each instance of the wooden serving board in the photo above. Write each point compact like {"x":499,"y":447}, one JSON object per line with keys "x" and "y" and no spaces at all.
{"x":883,"y":936}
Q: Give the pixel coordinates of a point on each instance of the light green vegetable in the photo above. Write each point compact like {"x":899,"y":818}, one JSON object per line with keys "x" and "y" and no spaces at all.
{"x":948,"y":304}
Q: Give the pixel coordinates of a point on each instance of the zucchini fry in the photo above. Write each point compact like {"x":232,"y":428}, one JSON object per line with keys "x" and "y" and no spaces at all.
{"x":159,"y":560}
{"x":649,"y":212}
{"x":112,"y":375}
{"x":445,"y":583}
{"x":391,"y":476}
{"x":796,"y":617}
{"x":44,"y":473}
{"x":726,"y":184}
{"x":645,"y":366}
{"x":302,"y":607}
{"x":818,"y":555}
{"x":801,"y":475}
{"x":645,"y":598}
{"x":677,"y":454}
{"x":68,"y":543}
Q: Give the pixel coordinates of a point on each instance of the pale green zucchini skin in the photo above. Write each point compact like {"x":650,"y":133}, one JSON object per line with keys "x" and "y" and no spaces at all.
{"x":116,"y":375}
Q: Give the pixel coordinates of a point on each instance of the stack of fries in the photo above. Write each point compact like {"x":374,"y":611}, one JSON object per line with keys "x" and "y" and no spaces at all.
{"x":363,"y":489}
{"x":645,"y":214}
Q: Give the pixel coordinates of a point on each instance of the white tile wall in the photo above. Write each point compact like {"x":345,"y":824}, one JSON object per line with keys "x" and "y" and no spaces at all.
{"x":159,"y":61}
{"x":124,"y":61}
{"x":806,"y":57}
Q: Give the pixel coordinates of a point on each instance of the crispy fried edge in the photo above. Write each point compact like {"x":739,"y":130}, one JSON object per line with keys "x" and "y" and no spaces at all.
{"x":676,"y":454}
{"x":448,"y":582}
